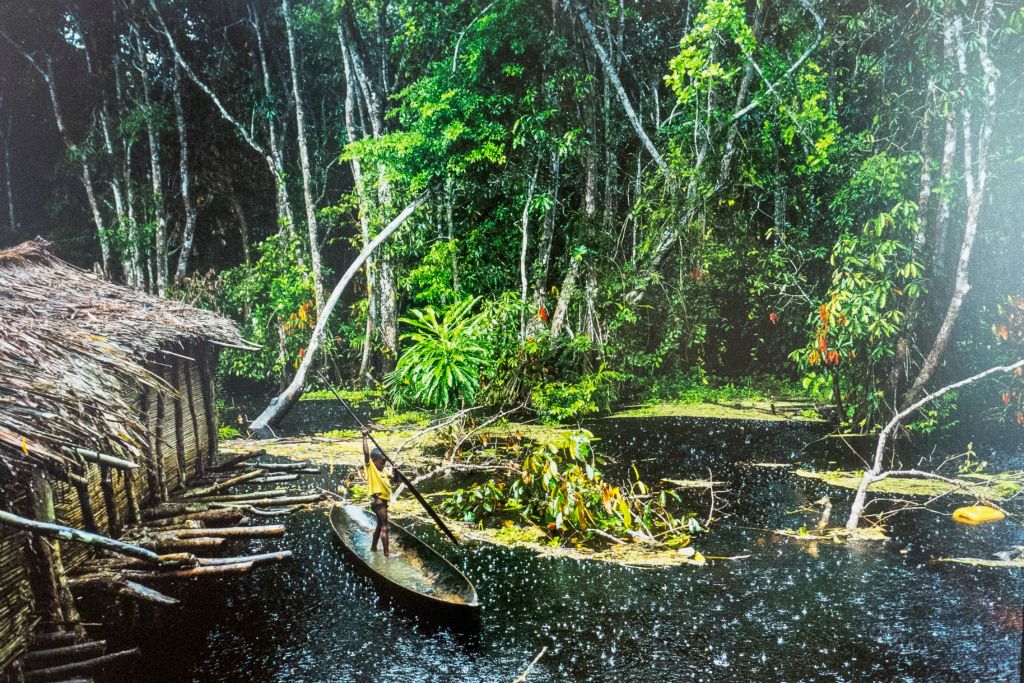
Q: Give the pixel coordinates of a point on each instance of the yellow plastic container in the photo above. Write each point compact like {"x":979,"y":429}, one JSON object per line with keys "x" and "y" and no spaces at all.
{"x":977,"y":514}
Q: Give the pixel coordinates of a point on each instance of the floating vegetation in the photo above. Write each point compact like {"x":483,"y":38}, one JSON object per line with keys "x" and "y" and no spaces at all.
{"x":992,"y":486}
{"x":774,"y":411}
{"x":836,"y":535}
{"x":977,"y":562}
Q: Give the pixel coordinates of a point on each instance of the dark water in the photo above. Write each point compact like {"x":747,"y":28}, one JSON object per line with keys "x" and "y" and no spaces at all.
{"x":790,"y":612}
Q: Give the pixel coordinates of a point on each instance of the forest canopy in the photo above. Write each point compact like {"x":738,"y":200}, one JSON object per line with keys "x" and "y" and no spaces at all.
{"x":619,"y":199}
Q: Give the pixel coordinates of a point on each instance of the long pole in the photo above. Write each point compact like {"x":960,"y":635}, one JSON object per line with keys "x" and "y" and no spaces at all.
{"x":401,"y":476}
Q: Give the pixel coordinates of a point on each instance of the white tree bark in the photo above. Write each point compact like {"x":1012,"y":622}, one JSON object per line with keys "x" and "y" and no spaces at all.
{"x":613,"y":78}
{"x":272,"y":160}
{"x":307,"y":191}
{"x":46,"y":74}
{"x":975,"y":176}
{"x":188,"y":232}
{"x":282,"y":403}
{"x":8,"y":183}
{"x":155,"y":176}
{"x":875,"y":472}
{"x":524,"y":246}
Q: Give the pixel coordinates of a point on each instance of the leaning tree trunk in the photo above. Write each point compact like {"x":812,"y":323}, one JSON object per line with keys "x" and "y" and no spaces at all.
{"x":524,"y":246}
{"x":307,"y":191}
{"x":282,"y":403}
{"x":188,"y":233}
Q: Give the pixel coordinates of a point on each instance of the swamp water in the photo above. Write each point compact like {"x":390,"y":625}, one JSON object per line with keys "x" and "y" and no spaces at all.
{"x":792,"y":611}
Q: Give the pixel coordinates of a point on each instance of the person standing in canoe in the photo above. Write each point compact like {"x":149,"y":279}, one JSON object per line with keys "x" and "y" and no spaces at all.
{"x":380,"y":491}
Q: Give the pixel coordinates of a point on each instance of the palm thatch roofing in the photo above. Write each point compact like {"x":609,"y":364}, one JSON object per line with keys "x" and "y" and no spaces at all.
{"x":70,"y":342}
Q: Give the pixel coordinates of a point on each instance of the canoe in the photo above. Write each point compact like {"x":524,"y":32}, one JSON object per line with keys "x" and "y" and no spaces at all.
{"x":415,"y":575}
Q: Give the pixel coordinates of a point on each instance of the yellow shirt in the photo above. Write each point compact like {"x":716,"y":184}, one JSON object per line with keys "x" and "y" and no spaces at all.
{"x":379,"y":485}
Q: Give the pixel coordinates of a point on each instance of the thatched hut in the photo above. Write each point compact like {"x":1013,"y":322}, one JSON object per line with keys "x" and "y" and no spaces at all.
{"x":106,"y":404}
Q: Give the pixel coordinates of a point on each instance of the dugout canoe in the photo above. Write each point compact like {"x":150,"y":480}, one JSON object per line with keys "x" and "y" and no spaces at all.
{"x":415,"y":576}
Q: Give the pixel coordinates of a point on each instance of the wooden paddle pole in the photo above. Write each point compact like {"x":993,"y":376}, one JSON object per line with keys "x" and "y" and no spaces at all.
{"x":405,"y":480}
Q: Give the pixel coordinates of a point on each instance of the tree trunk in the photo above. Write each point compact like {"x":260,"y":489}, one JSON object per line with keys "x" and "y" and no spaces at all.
{"x":975,"y":175}
{"x":8,"y":189}
{"x":156,"y":178}
{"x":613,"y":78}
{"x":243,"y":224}
{"x":365,"y":376}
{"x":188,"y":233}
{"x":271,"y":158}
{"x":307,"y":190}
{"x":281,"y":404}
{"x":547,"y":239}
{"x":524,"y":246}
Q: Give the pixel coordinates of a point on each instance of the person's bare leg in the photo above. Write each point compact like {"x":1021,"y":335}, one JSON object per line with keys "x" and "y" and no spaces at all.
{"x":376,"y":531}
{"x":382,"y":524}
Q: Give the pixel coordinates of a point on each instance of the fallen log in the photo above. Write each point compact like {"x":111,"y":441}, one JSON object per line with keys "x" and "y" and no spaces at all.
{"x":255,"y":559}
{"x":36,"y":659}
{"x":228,"y":532}
{"x":86,"y":666}
{"x":230,"y":462}
{"x":67,"y":533}
{"x":276,"y":479}
{"x":288,"y":500}
{"x":169,"y":544}
{"x":193,"y":573}
{"x":285,"y":466}
{"x":273,"y":512}
{"x":220,"y":486}
{"x":228,"y":498}
{"x":226,"y":517}
{"x":168,"y":561}
{"x":46,"y":640}
{"x":113,"y":582}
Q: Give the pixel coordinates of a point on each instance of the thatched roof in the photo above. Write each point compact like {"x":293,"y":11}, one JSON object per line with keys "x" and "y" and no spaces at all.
{"x":69,"y":344}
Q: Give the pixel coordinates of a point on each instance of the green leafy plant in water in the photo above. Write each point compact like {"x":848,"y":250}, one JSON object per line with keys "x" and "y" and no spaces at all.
{"x":441,"y":366}
{"x":227,"y":432}
{"x":560,"y":488}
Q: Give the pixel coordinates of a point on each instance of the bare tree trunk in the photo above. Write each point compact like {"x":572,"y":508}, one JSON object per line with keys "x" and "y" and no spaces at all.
{"x":271,"y":158}
{"x":8,"y":184}
{"x":155,"y":176}
{"x":524,"y":246}
{"x":243,"y":224}
{"x":547,"y":239}
{"x":47,"y":75}
{"x":613,"y":78}
{"x":875,"y":472}
{"x":188,"y":233}
{"x":282,"y":403}
{"x":275,"y":157}
{"x":939,"y":237}
{"x":307,"y":190}
{"x":364,"y":215}
{"x":975,"y":175}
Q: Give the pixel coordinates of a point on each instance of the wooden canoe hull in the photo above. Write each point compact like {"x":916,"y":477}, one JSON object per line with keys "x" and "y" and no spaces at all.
{"x":459,"y":607}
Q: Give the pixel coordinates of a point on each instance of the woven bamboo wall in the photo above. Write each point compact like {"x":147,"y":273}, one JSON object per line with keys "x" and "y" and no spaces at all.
{"x":184,"y":413}
{"x":15,"y":590}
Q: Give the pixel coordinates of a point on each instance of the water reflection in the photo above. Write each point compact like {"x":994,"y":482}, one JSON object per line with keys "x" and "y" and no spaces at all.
{"x":865,"y":612}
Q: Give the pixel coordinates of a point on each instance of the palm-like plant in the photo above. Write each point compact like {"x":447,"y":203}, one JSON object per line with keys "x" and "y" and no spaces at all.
{"x":441,"y":367}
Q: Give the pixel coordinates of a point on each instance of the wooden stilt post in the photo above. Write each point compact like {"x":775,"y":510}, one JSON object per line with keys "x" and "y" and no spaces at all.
{"x":128,"y":478}
{"x":107,"y":486}
{"x":206,"y":361}
{"x":152,"y":455}
{"x":159,"y":453}
{"x":81,"y":485}
{"x":179,"y":423}
{"x":55,"y":594}
{"x":190,"y":400}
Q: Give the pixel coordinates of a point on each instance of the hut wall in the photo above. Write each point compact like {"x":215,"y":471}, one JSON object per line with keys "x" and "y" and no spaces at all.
{"x":16,"y":602}
{"x":195,"y":447}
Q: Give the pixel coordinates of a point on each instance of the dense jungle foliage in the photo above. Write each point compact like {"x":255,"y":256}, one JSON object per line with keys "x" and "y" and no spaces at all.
{"x":624,"y":199}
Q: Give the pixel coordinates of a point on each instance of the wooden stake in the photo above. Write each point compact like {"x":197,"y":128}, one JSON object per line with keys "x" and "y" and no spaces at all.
{"x":67,"y":533}
{"x":226,"y":484}
{"x":87,"y":666}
